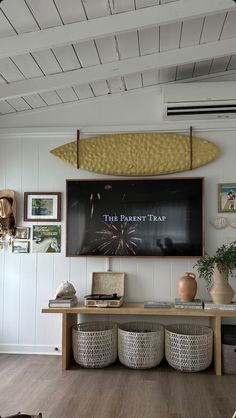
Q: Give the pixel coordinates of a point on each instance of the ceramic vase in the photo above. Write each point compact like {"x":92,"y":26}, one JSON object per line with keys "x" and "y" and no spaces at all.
{"x":221,"y":291}
{"x":187,"y":287}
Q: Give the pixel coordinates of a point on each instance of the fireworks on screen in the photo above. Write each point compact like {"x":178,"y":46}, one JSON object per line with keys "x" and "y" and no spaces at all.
{"x":120,"y":239}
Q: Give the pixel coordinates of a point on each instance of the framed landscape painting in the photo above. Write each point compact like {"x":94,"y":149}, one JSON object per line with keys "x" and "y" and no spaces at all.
{"x":42,"y":206}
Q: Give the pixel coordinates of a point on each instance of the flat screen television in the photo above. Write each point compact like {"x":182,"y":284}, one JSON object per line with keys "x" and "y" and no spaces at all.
{"x":135,"y":217}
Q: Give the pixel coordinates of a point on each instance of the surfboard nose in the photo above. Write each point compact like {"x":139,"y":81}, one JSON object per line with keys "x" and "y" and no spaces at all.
{"x":203,"y":152}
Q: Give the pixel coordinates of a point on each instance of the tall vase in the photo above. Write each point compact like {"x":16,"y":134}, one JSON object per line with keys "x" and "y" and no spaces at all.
{"x":221,"y":291}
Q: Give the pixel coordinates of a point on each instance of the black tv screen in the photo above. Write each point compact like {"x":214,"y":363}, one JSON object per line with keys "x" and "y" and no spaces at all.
{"x":146,"y":217}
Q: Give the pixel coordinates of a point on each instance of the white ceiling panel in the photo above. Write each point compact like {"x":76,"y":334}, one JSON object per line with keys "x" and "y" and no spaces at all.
{"x":212,"y":27}
{"x":27,"y":66}
{"x":83,"y":91}
{"x":107,"y":49}
{"x":115,"y":84}
{"x":67,"y":58}
{"x":219,"y":64}
{"x":87,"y":53}
{"x":167,"y":74}
{"x":70,"y":10}
{"x":184,"y":71}
{"x":191,"y":32}
{"x":6,"y":108}
{"x":150,"y":78}
{"x":202,"y":68}
{"x":45,"y":13}
{"x":229,"y":30}
{"x":19,"y":15}
{"x":67,"y":94}
{"x":9,"y":70}
{"x":100,"y":88}
{"x":146,"y":3}
{"x":35,"y":101}
{"x":2,"y":81}
{"x":167,"y":1}
{"x":170,"y":36}
{"x":149,"y":40}
{"x":51,"y":97}
{"x":96,"y":8}
{"x":128,"y":45}
{"x":47,"y":62}
{"x":133,"y":81}
{"x":119,"y":6}
{"x":116,"y":36}
{"x":232,"y":63}
{"x":5,"y":28}
{"x":19,"y":104}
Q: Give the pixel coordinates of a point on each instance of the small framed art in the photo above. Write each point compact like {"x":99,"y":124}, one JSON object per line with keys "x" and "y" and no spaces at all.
{"x":46,"y":239}
{"x":22,"y":232}
{"x":42,"y":206}
{"x":20,"y":246}
{"x":227,"y":197}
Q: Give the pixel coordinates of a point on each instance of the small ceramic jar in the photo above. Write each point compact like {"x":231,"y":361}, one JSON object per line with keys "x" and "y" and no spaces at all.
{"x":187,"y":287}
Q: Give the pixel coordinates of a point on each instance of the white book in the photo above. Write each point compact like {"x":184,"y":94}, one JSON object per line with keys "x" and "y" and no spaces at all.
{"x":220,"y":306}
{"x":62,"y":303}
{"x":157,"y":304}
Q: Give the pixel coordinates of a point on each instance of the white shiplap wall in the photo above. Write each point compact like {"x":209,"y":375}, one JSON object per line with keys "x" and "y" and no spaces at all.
{"x":27,"y":281}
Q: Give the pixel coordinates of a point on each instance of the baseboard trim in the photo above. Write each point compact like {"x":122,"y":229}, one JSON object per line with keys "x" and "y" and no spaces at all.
{"x":30,"y":349}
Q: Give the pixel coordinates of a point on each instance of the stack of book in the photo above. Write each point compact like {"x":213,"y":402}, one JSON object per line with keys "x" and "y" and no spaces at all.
{"x":194,"y":304}
{"x":63,"y":302}
{"x":220,"y":306}
{"x":157,"y":304}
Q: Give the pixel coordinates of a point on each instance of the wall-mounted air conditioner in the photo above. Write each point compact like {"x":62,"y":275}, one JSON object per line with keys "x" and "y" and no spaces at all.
{"x":199,"y":101}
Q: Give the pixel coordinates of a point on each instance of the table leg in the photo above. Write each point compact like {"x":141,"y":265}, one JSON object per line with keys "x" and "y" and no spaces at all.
{"x":68,"y":320}
{"x":216,"y":326}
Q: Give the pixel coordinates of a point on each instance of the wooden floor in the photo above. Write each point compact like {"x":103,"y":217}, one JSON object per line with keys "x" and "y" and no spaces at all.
{"x":32,"y":384}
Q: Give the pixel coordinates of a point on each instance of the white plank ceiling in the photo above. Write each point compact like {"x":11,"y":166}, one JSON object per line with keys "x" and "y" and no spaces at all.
{"x":56,"y":51}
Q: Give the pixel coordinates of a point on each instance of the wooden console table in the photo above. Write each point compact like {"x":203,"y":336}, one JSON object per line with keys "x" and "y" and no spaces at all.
{"x":69,"y":318}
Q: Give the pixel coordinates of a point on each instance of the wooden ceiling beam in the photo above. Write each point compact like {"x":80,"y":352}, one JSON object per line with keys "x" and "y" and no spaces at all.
{"x":119,"y":68}
{"x":109,"y":25}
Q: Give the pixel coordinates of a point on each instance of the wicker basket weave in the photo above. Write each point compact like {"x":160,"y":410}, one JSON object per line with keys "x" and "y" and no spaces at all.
{"x":94,"y":344}
{"x":188,"y":347}
{"x":140,"y":344}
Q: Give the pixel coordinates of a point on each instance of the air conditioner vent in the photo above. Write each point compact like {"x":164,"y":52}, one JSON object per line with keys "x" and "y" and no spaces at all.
{"x":182,"y":101}
{"x":173,"y":110}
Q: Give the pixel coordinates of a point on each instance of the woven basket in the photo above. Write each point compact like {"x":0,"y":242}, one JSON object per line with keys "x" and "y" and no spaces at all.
{"x":140,"y":344}
{"x":229,"y":358}
{"x":188,"y":347}
{"x":94,"y":344}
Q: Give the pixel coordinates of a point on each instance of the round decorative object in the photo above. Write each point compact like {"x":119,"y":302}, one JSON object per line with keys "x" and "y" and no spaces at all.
{"x":187,"y":287}
{"x":233,"y":223}
{"x":140,"y":344}
{"x":221,"y":291}
{"x":94,"y":344}
{"x":188,"y":347}
{"x":219,"y":223}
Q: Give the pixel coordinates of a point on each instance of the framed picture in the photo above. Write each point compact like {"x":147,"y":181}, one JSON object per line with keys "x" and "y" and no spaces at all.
{"x":19,"y":246}
{"x":227,"y":197}
{"x":46,"y":239}
{"x":22,"y":232}
{"x":42,"y":207}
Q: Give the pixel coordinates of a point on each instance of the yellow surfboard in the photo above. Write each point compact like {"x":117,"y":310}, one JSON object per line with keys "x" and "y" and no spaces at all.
{"x":138,"y":153}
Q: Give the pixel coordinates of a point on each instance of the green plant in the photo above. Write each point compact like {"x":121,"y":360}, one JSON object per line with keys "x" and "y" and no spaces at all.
{"x":224,"y":259}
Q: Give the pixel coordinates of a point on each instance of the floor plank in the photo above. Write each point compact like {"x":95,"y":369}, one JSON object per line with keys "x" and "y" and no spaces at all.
{"x":33,"y":383}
